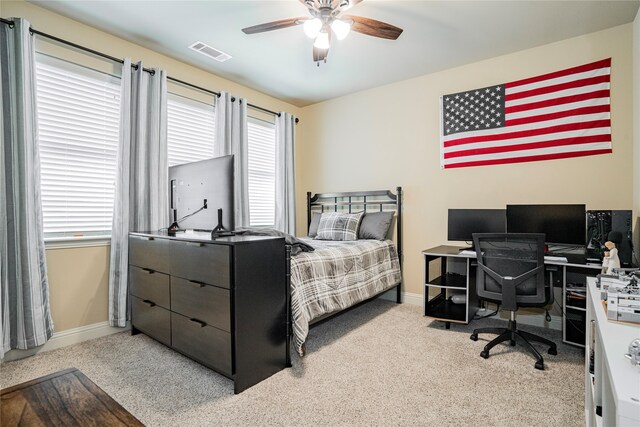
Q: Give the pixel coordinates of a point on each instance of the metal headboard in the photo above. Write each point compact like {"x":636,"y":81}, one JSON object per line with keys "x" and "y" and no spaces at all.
{"x":361,"y":200}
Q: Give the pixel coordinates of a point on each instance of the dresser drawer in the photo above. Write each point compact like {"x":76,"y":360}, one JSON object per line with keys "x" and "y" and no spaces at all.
{"x":202,"y":262}
{"x":149,"y":252}
{"x":208,"y":345}
{"x":151,"y":319}
{"x":150,"y":285}
{"x":203,"y":302}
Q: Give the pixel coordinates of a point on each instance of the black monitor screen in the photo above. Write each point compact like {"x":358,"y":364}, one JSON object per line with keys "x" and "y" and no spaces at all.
{"x":464,"y":222}
{"x":562,"y":224}
{"x":191,"y":183}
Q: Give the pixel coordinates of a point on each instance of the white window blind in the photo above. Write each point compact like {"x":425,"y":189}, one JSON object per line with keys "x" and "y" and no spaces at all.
{"x":78,"y":120}
{"x":262,"y":172}
{"x":191,"y":130}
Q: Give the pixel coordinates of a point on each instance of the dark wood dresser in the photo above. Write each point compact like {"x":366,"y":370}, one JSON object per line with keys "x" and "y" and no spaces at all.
{"x":220,"y":302}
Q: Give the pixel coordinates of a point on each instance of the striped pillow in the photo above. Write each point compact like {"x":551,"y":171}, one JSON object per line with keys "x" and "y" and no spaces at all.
{"x":339,"y":226}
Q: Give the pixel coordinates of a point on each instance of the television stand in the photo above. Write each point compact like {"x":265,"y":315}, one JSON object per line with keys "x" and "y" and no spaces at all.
{"x":174,"y":227}
{"x":219,"y":231}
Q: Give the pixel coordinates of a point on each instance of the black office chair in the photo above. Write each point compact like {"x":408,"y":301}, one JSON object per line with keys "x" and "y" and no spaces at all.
{"x":511,"y":273}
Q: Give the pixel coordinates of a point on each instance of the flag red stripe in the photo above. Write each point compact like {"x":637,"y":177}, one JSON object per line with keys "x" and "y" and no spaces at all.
{"x":558,"y":101}
{"x":579,"y":69}
{"x":558,"y":87}
{"x":531,"y":146}
{"x":531,"y":132}
{"x":558,"y":115}
{"x":530,"y":158}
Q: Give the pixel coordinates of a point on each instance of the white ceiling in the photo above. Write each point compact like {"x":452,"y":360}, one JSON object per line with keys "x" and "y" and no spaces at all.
{"x":437,"y":35}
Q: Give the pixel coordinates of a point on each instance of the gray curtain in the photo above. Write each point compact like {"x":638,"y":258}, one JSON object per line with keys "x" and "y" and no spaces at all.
{"x":25,"y":319}
{"x":285,"y":173}
{"x":231,"y":138}
{"x":142,"y":176}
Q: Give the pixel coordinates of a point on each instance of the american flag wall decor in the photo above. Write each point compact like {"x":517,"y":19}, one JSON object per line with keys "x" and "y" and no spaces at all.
{"x":554,"y":116}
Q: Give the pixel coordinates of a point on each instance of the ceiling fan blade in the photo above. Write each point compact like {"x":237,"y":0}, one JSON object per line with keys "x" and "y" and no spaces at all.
{"x":371,"y":27}
{"x":275,"y":25}
{"x":319,"y":54}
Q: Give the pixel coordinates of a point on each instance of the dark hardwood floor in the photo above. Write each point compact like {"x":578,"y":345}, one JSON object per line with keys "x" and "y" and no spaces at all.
{"x":65,"y":398}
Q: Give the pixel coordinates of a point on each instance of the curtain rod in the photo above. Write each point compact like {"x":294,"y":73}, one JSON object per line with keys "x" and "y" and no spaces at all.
{"x":32,"y":30}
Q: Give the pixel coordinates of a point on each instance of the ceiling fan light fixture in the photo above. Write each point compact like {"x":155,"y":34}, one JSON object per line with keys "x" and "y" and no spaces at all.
{"x":322,"y":41}
{"x":340,"y":28}
{"x":312,"y":27}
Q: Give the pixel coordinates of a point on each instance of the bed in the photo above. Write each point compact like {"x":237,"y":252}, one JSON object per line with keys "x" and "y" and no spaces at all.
{"x":338,"y":275}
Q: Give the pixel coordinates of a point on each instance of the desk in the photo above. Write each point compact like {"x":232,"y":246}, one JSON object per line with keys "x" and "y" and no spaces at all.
{"x":458,"y":277}
{"x":615,"y":383}
{"x":574,"y":315}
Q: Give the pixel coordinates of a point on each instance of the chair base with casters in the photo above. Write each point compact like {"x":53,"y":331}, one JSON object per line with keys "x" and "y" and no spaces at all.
{"x":513,"y":335}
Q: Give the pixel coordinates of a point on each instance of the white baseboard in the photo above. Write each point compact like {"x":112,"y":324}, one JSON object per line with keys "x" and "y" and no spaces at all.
{"x":67,"y":337}
{"x":532,"y":319}
{"x":407,"y":297}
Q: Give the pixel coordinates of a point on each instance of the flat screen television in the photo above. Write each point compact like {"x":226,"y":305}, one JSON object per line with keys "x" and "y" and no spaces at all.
{"x":198,"y":189}
{"x":562,"y":224}
{"x":462,"y":223}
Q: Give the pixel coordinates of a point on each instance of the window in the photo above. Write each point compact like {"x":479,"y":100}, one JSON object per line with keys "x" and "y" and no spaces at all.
{"x":191,"y":130}
{"x":262,"y":172}
{"x":78,"y":121}
{"x":78,"y":126}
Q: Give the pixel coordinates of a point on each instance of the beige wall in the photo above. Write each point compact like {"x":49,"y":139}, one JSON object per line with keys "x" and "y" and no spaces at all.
{"x":389,"y":136}
{"x":78,"y":277}
{"x":79,"y":286}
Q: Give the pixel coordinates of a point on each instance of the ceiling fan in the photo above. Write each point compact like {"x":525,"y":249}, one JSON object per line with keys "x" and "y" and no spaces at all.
{"x":326,"y":18}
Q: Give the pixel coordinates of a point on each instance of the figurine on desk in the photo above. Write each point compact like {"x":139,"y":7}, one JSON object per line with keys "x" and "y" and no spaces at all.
{"x":611,"y":259}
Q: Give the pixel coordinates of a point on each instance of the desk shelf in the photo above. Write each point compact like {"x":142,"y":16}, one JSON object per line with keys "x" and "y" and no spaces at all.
{"x":456,"y":277}
{"x":574,"y":278}
{"x":443,"y":309}
{"x":450,"y":281}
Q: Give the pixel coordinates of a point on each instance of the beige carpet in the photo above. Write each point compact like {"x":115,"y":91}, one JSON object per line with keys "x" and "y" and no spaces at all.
{"x":380,"y":364}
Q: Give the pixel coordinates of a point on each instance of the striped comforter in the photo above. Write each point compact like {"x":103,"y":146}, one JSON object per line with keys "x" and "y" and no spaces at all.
{"x":336,"y":276}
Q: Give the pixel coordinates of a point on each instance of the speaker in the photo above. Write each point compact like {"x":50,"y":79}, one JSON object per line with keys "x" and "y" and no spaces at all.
{"x":599,"y":225}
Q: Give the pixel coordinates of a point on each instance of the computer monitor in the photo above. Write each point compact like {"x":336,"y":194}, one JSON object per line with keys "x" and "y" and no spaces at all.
{"x":562,"y":224}
{"x":463,"y":223}
{"x":191,"y":184}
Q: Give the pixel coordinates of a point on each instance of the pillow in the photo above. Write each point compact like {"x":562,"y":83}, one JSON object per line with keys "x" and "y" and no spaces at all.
{"x":339,"y":226}
{"x":315,"y":221}
{"x":376,"y":225}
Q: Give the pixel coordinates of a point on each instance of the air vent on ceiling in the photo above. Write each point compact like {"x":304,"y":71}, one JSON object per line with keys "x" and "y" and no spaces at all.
{"x":211,"y":52}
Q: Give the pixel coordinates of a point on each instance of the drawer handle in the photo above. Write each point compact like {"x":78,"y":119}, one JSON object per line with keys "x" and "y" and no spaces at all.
{"x":151,"y":303}
{"x":199,"y":322}
{"x":150,"y":238}
{"x":198,"y":284}
{"x":148,"y":270}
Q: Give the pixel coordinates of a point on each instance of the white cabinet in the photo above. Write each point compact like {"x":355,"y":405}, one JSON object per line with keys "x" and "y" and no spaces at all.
{"x":612,"y":391}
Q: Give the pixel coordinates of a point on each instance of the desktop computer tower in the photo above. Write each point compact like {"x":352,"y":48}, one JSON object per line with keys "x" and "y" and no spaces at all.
{"x":599,"y":224}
